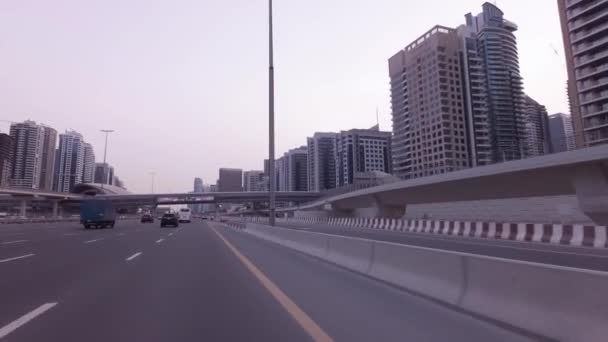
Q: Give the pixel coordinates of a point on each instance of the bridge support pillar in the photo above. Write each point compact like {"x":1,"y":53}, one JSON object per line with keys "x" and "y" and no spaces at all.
{"x":55,"y":209}
{"x":591,"y":186}
{"x":335,"y":211}
{"x":388,"y":210}
{"x":23,"y":208}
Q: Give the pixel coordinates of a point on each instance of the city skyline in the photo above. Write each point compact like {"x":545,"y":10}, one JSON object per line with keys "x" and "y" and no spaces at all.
{"x":331,"y":98}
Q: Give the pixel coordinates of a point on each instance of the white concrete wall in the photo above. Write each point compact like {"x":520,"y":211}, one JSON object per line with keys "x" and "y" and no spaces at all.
{"x":312,"y":213}
{"x":553,"y":209}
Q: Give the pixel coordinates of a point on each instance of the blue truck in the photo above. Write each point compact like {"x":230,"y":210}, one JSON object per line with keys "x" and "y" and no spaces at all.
{"x":97,"y":213}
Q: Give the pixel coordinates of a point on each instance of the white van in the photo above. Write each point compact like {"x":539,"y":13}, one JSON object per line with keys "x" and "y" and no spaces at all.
{"x":184,"y":215}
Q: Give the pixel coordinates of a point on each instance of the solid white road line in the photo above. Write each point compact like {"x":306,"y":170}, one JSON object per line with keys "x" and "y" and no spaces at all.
{"x":91,"y":241}
{"x":17,"y":258}
{"x":9,"y":328}
{"x":133,"y":256}
{"x":12,"y":242}
{"x":160,"y":240}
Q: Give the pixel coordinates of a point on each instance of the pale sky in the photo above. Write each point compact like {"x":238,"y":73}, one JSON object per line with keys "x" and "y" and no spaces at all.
{"x":184,"y":82}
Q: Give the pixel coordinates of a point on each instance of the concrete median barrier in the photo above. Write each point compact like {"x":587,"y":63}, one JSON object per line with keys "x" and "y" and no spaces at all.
{"x":434,"y":274}
{"x":354,"y":254}
{"x":561,"y":303}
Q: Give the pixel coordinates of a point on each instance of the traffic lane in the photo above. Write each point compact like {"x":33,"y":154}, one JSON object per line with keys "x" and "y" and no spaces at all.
{"x":352,"y":307}
{"x":188,"y":288}
{"x":60,"y":265}
{"x":32,"y":227}
{"x":33,"y":241}
{"x":592,"y":259}
{"x":48,"y":227}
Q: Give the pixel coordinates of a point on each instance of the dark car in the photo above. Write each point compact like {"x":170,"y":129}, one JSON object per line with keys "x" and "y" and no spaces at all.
{"x":147,"y":218}
{"x":169,"y":220}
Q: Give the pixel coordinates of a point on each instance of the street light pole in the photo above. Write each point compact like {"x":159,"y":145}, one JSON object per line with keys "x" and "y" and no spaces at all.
{"x":152,"y":184}
{"x":105,"y":151}
{"x":271,"y":175}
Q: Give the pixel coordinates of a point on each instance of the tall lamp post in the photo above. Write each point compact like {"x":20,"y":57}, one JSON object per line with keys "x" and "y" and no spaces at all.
{"x":271,"y":183}
{"x":152,"y":173}
{"x":105,"y":152}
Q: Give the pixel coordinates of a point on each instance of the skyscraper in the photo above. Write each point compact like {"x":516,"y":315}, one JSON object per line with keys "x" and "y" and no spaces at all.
{"x":281,"y":170}
{"x":585,"y":30}
{"x":362,"y":150}
{"x":561,"y":133}
{"x":537,"y":128}
{"x":198,"y":185}
{"x":429,"y":132}
{"x":475,"y":95}
{"x":47,"y":167}
{"x":70,"y":162}
{"x":88,"y":169}
{"x":230,"y":180}
{"x":6,"y":159}
{"x":497,"y":51}
{"x":28,"y":144}
{"x":297,"y":169}
{"x":321,"y":161}
{"x":104,"y":174}
{"x":253,"y":180}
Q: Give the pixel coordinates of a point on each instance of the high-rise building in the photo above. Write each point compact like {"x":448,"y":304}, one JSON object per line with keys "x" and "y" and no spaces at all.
{"x":104,"y":174}
{"x":537,"y":128}
{"x":266,"y":166}
{"x":497,"y":51}
{"x":297,"y":169}
{"x":118,"y":182}
{"x":230,"y":180}
{"x":88,"y":169}
{"x":429,"y":123}
{"x":321,"y":161}
{"x":6,"y":159}
{"x":281,"y":171}
{"x":362,"y":150}
{"x":47,"y":167}
{"x":253,"y":180}
{"x":28,"y":148}
{"x":561,"y":133}
{"x":198,"y":188}
{"x":198,"y":185}
{"x":475,"y":95}
{"x":585,"y":30}
{"x":70,"y":162}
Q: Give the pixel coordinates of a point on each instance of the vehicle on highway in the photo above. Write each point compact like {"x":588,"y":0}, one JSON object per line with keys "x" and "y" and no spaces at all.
{"x":97,"y":213}
{"x":204,"y":217}
{"x":147,"y":218}
{"x":169,"y":219}
{"x":3,"y":214}
{"x":185,"y":215}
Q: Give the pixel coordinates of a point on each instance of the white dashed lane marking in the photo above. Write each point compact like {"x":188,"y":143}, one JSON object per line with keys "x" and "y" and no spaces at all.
{"x":9,"y":328}
{"x":133,"y":256}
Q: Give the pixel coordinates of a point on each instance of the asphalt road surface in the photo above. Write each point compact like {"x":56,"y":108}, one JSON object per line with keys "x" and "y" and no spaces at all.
{"x":202,"y":282}
{"x":578,"y":257}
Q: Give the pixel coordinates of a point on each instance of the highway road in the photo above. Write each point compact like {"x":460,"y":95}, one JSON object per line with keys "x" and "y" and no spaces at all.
{"x":578,"y":257}
{"x":202,"y":282}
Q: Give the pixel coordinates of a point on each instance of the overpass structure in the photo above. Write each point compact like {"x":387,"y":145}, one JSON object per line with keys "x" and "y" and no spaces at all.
{"x":583,"y":173}
{"x":123,"y":199}
{"x":209,"y":197}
